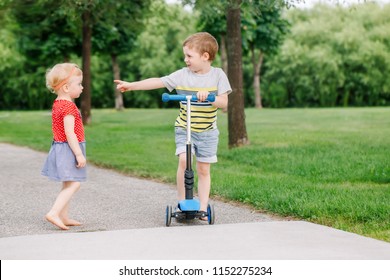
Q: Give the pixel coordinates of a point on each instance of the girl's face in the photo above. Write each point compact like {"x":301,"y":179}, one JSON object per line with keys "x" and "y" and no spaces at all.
{"x":75,"y":87}
{"x":196,"y":62}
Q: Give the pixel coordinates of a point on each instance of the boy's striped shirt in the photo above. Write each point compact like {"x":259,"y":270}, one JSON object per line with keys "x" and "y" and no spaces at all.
{"x":203,"y":114}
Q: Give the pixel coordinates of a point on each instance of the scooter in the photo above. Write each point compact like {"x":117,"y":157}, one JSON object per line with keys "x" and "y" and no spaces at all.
{"x":188,"y":208}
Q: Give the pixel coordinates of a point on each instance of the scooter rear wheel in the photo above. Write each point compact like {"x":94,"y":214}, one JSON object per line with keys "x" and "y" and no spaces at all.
{"x":168,"y":216}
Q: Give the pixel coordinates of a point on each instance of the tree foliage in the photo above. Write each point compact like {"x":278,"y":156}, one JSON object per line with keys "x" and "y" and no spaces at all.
{"x":334,"y":56}
{"x":36,"y":45}
{"x":263,"y":32}
{"x":157,"y":51}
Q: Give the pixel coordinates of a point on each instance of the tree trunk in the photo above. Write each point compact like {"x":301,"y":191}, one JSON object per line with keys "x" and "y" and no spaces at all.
{"x":86,"y":58}
{"x":257,"y":62}
{"x":224,"y":60}
{"x":236,"y":110}
{"x":117,"y":76}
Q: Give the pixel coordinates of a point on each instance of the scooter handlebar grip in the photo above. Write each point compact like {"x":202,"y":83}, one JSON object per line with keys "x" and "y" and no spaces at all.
{"x":176,"y":97}
{"x":172,"y":97}
{"x":211,"y":98}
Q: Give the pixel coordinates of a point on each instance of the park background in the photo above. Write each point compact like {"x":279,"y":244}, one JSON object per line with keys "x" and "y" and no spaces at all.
{"x":311,"y":92}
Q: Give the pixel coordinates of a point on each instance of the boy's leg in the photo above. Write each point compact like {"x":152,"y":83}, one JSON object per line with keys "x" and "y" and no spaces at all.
{"x":204,"y":182}
{"x":53,"y":216}
{"x":206,"y":146}
{"x":180,"y":140}
{"x":180,"y":176}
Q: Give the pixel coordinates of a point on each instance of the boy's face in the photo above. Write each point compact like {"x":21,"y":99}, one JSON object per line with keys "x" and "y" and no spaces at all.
{"x":196,"y":62}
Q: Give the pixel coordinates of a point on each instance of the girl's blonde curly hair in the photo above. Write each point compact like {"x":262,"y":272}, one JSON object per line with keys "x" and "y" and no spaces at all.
{"x":60,"y":74}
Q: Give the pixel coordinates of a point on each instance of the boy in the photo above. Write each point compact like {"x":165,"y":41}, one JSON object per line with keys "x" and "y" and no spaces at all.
{"x":199,"y":78}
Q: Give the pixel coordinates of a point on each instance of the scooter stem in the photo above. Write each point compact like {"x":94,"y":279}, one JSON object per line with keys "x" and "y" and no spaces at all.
{"x":189,"y":173}
{"x":188,"y":97}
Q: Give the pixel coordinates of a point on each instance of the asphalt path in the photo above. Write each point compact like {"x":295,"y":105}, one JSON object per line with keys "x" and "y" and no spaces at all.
{"x":124,"y":218}
{"x":107,"y":201}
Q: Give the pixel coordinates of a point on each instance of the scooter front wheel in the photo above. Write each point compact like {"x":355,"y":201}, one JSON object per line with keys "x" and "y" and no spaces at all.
{"x":210,"y":214}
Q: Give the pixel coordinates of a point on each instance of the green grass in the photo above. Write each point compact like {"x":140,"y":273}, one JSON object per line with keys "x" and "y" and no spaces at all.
{"x":328,"y":166}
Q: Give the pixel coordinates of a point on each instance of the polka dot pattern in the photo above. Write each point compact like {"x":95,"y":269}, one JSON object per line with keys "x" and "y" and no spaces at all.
{"x":62,"y":108}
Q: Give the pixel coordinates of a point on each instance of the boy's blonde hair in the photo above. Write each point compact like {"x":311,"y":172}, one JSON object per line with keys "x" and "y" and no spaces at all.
{"x":202,"y":42}
{"x":60,"y":75}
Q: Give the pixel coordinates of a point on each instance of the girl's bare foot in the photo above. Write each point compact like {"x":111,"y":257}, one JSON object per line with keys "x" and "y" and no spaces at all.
{"x":55,"y":220}
{"x":71,"y":222}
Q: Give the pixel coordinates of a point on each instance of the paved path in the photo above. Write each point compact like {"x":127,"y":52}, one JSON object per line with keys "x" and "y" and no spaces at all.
{"x":124,"y":218}
{"x":107,"y":201}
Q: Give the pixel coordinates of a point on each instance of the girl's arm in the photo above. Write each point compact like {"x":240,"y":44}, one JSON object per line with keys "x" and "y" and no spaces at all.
{"x":72,"y":141}
{"x":151,"y":83}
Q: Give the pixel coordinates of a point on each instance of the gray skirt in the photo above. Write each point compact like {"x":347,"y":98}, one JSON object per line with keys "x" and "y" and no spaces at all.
{"x":60,"y":164}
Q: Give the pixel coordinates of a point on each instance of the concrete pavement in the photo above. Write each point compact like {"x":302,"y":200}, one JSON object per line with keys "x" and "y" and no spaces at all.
{"x":278,"y":240}
{"x":124,"y":219}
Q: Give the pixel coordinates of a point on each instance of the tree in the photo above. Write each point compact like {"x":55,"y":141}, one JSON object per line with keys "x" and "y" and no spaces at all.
{"x":263,"y":32}
{"x":41,"y":45}
{"x":157,"y":51}
{"x":11,"y":63}
{"x":334,"y":56}
{"x":236,"y":115}
{"x":92,"y":12}
{"x":86,"y":65}
{"x":212,"y":19}
{"x":116,"y":33}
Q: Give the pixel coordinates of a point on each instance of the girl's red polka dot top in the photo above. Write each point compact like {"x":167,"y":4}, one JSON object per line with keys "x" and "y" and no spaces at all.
{"x":61,"y":108}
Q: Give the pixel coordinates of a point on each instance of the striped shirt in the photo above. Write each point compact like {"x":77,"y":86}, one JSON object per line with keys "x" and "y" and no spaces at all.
{"x":185,"y":82}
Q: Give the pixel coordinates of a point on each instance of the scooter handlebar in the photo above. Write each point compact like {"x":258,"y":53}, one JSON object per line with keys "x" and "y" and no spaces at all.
{"x":176,"y":97}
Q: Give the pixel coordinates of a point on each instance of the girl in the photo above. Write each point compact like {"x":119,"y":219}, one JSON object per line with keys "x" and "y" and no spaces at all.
{"x":66,"y":160}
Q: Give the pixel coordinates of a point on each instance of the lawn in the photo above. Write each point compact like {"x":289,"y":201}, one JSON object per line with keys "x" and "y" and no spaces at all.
{"x":328,"y":166}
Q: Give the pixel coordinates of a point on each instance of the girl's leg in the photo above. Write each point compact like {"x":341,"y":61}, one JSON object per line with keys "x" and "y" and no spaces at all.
{"x":180,"y":177}
{"x":204,"y":181}
{"x":65,"y":218}
{"x":63,"y":198}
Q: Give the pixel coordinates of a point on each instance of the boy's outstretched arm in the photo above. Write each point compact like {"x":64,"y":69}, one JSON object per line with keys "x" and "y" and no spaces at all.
{"x":151,"y":83}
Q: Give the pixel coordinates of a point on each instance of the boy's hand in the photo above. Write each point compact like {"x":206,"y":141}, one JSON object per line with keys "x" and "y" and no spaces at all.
{"x":122,"y":86}
{"x":202,"y":95}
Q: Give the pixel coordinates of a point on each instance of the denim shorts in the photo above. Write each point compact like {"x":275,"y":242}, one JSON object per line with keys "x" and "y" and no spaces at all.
{"x":204,"y":144}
